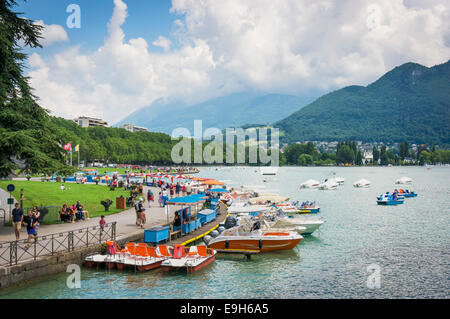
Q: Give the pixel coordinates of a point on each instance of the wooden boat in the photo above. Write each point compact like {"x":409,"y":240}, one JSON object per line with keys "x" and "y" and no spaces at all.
{"x":189,"y":258}
{"x":249,"y":236}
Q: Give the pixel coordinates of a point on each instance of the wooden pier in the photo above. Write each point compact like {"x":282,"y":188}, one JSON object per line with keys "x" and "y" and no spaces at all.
{"x":197,"y":235}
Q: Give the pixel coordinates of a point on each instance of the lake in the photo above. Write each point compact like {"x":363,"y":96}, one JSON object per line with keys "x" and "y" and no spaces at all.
{"x":407,"y":245}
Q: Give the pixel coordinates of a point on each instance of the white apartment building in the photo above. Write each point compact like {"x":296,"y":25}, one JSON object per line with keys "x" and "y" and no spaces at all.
{"x":133,"y":128}
{"x":85,"y":121}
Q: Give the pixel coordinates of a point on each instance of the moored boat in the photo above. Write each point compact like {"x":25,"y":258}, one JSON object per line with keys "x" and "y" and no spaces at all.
{"x":189,"y":258}
{"x":250,"y":236}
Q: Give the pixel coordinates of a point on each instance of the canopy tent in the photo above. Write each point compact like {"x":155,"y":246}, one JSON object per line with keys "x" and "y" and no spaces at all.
{"x":187,"y":200}
{"x":212,"y":182}
{"x":218,"y":190}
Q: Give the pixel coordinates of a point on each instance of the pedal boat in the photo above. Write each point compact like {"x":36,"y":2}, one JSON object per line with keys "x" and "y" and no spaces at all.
{"x":190,"y":259}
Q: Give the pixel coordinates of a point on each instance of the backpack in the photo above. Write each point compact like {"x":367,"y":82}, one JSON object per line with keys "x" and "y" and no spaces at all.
{"x":137,"y":207}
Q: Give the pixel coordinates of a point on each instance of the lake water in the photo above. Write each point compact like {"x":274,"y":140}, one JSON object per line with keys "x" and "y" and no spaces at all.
{"x":409,"y":244}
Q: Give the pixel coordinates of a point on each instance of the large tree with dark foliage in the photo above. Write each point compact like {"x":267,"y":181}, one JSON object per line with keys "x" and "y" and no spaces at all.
{"x":24,"y":133}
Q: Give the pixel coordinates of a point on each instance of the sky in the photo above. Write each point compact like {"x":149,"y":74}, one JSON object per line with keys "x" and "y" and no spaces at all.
{"x":128,"y":53}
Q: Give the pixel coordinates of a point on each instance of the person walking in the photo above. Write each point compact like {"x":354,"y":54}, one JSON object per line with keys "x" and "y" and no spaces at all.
{"x":37,"y":214}
{"x":17,"y":214}
{"x":178,"y":189}
{"x":139,"y":207}
{"x":30,"y":221}
{"x":164,"y":197}
{"x":189,"y":189}
{"x":102,"y":223}
{"x":150,"y":197}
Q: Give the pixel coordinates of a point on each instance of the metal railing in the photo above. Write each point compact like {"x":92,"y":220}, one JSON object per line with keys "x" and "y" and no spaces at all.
{"x":15,"y":252}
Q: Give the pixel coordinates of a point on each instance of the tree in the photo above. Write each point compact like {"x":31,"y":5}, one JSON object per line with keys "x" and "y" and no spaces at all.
{"x":383,"y":156}
{"x":305,"y":160}
{"x":376,"y":155}
{"x":25,"y":136}
{"x":359,"y":158}
{"x":345,"y":155}
{"x":404,"y":150}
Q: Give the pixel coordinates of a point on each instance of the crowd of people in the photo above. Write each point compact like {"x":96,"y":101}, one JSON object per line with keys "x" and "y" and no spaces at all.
{"x":31,"y":221}
{"x":172,"y":190}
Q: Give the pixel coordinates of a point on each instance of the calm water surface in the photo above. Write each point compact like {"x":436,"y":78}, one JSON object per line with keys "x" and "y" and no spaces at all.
{"x":410,"y":244}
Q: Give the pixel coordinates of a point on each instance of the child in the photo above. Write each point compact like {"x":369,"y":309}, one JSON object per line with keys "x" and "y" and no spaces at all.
{"x":160,"y":199}
{"x":102,"y":222}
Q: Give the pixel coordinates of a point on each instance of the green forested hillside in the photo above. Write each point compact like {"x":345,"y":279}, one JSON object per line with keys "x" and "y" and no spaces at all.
{"x":411,"y":102}
{"x":114,"y":144}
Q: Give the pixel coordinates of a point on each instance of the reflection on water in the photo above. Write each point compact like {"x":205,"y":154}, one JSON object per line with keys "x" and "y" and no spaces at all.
{"x":410,"y":243}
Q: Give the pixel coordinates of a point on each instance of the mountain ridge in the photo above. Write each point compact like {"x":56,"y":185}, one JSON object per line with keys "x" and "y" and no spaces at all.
{"x":410,"y":102}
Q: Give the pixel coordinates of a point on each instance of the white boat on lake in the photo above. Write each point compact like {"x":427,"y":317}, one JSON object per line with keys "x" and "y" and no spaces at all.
{"x":310,"y":183}
{"x":362,"y":183}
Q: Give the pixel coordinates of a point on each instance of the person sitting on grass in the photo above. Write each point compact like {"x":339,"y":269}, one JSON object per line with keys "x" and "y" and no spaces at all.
{"x":30,"y":221}
{"x":84,"y":214}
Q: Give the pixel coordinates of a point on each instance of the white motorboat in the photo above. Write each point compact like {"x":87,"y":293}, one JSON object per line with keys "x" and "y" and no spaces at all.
{"x":329,"y":185}
{"x":362,"y":183}
{"x":339,"y":180}
{"x":310,"y":183}
{"x":240,"y":209}
{"x":305,"y":226}
{"x":404,"y":180}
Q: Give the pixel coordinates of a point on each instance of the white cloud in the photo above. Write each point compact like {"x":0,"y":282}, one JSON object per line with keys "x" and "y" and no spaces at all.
{"x":226,"y":46}
{"x":163,"y":43}
{"x":52,"y":33}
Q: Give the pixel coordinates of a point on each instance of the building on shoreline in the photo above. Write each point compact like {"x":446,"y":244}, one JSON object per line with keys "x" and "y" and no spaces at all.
{"x":133,"y":128}
{"x":85,"y":121}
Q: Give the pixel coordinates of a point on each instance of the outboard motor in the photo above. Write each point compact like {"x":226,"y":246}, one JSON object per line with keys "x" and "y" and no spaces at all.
{"x":207,"y":239}
{"x":230,"y":222}
{"x":214,"y":233}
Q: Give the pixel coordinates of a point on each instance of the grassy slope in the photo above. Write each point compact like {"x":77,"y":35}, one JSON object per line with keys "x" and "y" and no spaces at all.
{"x":50,"y":194}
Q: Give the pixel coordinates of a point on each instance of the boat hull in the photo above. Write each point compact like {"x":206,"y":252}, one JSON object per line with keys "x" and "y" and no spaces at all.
{"x":150,"y":266}
{"x":389,"y":203}
{"x":188,"y":268}
{"x":262,"y":244}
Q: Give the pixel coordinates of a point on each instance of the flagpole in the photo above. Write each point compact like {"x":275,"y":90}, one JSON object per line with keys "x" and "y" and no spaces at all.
{"x":78,"y":156}
{"x":70,"y":157}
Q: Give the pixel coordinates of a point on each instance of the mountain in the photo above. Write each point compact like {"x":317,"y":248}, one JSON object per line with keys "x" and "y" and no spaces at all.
{"x":230,"y":111}
{"x":411,"y":102}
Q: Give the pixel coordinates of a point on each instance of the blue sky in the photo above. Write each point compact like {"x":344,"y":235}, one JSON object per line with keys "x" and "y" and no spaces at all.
{"x":129,"y":53}
{"x":146,"y":18}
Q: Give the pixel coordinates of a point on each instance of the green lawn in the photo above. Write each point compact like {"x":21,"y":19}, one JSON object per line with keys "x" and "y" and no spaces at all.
{"x":50,"y":194}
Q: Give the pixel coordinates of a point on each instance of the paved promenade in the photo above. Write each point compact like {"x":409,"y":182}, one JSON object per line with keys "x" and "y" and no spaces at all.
{"x":126,"y":220}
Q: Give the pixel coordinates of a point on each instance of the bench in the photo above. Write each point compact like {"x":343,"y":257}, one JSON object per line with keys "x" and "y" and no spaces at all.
{"x":175,"y":234}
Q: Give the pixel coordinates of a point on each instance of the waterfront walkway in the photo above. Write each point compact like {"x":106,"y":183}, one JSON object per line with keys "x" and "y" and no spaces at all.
{"x":126,"y":221}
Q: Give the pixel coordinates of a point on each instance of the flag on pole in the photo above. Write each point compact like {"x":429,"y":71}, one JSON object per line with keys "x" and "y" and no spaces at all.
{"x":76,"y":148}
{"x":68,"y":147}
